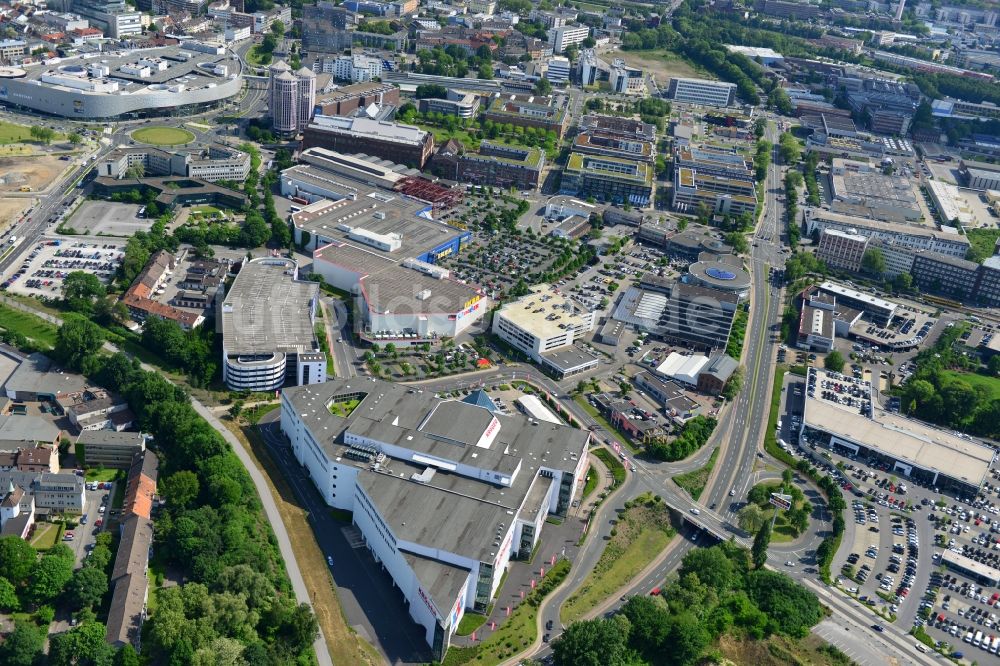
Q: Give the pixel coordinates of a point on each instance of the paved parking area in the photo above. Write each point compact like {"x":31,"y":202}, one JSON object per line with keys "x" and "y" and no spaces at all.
{"x":42,"y":272}
{"x":108,"y":218}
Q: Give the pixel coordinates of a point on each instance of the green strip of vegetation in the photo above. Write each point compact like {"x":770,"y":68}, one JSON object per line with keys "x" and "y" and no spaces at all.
{"x":642,"y":531}
{"x":590,"y":484}
{"x":20,"y":327}
{"x":734,"y":347}
{"x":470,"y":622}
{"x":695,"y":480}
{"x":613,"y":464}
{"x":517,"y":632}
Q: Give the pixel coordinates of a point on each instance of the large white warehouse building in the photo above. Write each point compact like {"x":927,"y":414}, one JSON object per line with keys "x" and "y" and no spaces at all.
{"x":445,"y":493}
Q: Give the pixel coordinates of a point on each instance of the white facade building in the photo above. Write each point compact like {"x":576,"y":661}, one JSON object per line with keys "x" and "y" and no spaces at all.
{"x":701,"y":91}
{"x":444,"y":493}
{"x":558,"y":70}
{"x":544,"y":325}
{"x":567,"y":35}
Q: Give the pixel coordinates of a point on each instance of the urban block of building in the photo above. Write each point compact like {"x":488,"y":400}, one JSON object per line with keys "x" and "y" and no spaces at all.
{"x":545,"y":325}
{"x":444,"y":493}
{"x":702,"y":91}
{"x":912,"y":449}
{"x":404,"y":144}
{"x":528,"y":111}
{"x":913,"y":236}
{"x":108,"y":448}
{"x":612,"y":179}
{"x":212,"y":163}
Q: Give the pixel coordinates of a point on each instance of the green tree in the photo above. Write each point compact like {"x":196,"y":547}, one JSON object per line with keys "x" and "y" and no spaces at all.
{"x":903,"y":282}
{"x":86,"y":588}
{"x":181,"y":488}
{"x":751,"y":518}
{"x":834,"y":361}
{"x":42,"y":134}
{"x":738,"y":241}
{"x":758,"y":553}
{"x":127,"y":656}
{"x":786,"y":476}
{"x":17,"y":558}
{"x":688,"y":638}
{"x":81,"y":289}
{"x":75,"y":138}
{"x":49,"y":575}
{"x":8,"y":596}
{"x":873,"y":262}
{"x":278,"y":28}
{"x":76,"y":340}
{"x":649,"y":623}
{"x":543,"y":87}
{"x":593,"y":643}
{"x":23,"y":646}
{"x":791,"y":608}
{"x":83,"y":644}
{"x":993,"y":366}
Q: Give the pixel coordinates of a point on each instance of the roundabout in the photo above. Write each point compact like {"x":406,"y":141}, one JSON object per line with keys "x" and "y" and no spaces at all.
{"x":163,"y":136}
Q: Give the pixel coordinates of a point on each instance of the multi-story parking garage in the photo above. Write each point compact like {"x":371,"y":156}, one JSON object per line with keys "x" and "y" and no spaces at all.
{"x":173,"y":80}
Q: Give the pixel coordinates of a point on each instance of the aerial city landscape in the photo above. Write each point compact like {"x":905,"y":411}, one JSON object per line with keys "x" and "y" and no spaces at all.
{"x":499,"y":332}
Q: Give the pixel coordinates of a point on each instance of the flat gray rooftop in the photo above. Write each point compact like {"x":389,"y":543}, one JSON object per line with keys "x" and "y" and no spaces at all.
{"x":391,"y":287}
{"x":268,"y":309}
{"x":571,"y":358}
{"x":452,"y":512}
{"x":37,"y":374}
{"x":378,"y":211}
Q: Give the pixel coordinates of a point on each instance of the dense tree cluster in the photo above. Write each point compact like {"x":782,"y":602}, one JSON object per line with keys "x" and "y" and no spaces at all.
{"x":237,"y":601}
{"x":454,"y":61}
{"x":715,"y":592}
{"x":937,"y":392}
{"x":190,"y":351}
{"x":692,"y":437}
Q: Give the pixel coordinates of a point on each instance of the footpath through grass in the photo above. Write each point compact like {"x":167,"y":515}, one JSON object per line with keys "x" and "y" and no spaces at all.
{"x":642,"y":531}
{"x":695,"y":480}
{"x":345,"y":646}
{"x":517,"y":632}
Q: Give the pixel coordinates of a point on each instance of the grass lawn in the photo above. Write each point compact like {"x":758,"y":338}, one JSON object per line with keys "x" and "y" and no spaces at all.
{"x":516,"y":633}
{"x":470,"y":622}
{"x":101,"y":474}
{"x":13,"y":133}
{"x":612,"y":463}
{"x":205,"y":210}
{"x":46,"y":536}
{"x":163,"y":136}
{"x":344,"y":408}
{"x":982,"y":242}
{"x":989,"y":385}
{"x":664,"y":65}
{"x":257,"y":57}
{"x":28,"y":325}
{"x":694,"y":481}
{"x":641,"y":533}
